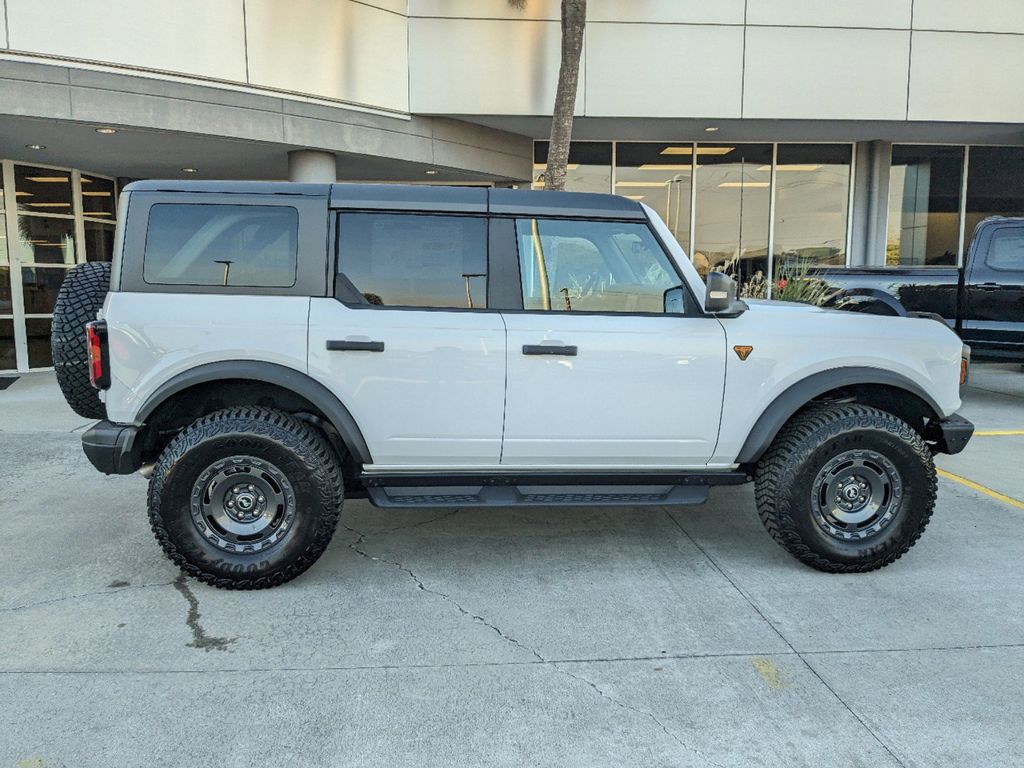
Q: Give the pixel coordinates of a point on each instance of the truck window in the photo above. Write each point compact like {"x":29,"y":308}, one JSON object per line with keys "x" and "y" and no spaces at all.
{"x":1006,"y":252}
{"x":227,"y":245}
{"x":411,"y":260}
{"x":592,"y":266}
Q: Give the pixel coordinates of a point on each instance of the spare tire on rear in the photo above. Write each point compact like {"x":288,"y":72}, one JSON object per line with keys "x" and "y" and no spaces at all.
{"x":78,"y":301}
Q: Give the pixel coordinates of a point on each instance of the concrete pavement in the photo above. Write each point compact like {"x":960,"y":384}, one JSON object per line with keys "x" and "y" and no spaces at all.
{"x":644,"y":637}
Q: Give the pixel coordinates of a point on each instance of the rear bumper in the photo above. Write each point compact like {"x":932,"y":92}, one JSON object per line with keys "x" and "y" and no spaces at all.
{"x":949,"y":435}
{"x":114,"y":449}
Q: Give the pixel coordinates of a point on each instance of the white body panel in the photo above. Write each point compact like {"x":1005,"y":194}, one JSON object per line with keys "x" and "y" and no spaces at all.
{"x":643,"y":391}
{"x":794,"y":341}
{"x":156,"y":336}
{"x":433,"y":398}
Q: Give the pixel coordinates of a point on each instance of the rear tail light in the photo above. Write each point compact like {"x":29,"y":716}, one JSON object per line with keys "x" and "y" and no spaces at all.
{"x":99,"y":358}
{"x":965,"y":364}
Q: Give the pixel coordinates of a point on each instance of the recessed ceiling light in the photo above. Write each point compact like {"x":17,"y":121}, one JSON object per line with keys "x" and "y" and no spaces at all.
{"x":35,"y":146}
{"x":711,"y":129}
{"x":431,"y":172}
{"x":105,"y":130}
{"x":700,"y":150}
{"x":190,"y":170}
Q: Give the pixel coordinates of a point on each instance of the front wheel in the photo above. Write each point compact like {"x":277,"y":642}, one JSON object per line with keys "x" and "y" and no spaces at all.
{"x":846,"y":488}
{"x":246,"y":498}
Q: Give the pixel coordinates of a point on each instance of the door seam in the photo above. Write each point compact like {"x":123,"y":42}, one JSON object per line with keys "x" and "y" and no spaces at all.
{"x":504,"y":400}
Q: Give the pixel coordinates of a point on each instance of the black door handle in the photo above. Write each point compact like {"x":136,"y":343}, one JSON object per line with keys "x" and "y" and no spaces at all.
{"x":346,"y":345}
{"x":549,"y":349}
{"x":988,"y":286}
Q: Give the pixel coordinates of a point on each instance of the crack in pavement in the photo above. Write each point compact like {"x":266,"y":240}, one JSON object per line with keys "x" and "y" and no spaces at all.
{"x":199,"y":637}
{"x":421,"y":522}
{"x":248,"y":670}
{"x":355,"y":547}
{"x":753,"y":604}
{"x":80,"y":596}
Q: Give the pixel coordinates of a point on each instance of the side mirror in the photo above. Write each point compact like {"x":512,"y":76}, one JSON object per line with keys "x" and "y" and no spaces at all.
{"x":721,"y":296}
{"x":675,"y":301}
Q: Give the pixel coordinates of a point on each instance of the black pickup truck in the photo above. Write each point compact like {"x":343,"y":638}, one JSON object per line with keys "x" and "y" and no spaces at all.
{"x":983,"y":301}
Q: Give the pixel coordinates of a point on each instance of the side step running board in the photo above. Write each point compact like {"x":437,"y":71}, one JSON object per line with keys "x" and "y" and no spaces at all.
{"x":392,"y":496}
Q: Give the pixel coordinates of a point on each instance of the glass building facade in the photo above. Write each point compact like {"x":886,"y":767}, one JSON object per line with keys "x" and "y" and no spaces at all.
{"x":752,"y":210}
{"x":50,"y":220}
{"x":763,"y":211}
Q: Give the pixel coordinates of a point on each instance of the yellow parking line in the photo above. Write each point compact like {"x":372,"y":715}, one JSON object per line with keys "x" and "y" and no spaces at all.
{"x":995,"y":432}
{"x":982,"y":489}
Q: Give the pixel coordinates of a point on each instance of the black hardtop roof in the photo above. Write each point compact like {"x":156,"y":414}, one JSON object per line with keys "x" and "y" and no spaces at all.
{"x":229,"y":187}
{"x":419,"y":197}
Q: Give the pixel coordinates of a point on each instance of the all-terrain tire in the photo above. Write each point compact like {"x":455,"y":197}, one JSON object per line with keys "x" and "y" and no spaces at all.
{"x":308,"y":467}
{"x":789,"y":471}
{"x":80,"y":297}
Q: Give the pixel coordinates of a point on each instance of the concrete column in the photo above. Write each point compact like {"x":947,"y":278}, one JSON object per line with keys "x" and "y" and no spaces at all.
{"x":870,"y":203}
{"x":311,"y":166}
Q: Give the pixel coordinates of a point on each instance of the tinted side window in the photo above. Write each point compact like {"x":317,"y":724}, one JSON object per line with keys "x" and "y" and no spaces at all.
{"x":592,"y":266}
{"x":1006,"y":250}
{"x":230,"y":245}
{"x":411,"y":260}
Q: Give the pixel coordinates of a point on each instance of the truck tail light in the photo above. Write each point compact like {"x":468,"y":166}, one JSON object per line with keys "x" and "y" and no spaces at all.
{"x":99,"y":357}
{"x":965,"y":364}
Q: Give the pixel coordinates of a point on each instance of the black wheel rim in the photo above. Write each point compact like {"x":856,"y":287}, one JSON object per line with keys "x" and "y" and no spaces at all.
{"x":242,"y":504}
{"x":856,"y":494}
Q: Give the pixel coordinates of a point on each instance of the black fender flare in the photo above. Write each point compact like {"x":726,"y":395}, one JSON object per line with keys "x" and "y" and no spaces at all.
{"x":797,"y":395}
{"x":270,"y":373}
{"x":856,"y":296}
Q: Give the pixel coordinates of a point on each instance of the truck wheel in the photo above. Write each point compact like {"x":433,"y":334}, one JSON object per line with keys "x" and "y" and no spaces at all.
{"x":80,"y":297}
{"x":246,"y":498}
{"x":846,"y":488}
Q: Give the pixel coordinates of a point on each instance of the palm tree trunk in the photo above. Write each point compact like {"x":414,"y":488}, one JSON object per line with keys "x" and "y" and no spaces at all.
{"x":574,"y":19}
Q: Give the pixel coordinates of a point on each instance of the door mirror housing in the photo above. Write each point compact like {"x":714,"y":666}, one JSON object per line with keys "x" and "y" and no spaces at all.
{"x":675,"y":301}
{"x":721,"y":298}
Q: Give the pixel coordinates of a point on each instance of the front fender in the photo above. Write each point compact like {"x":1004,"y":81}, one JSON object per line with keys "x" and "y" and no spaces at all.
{"x":805,"y":352}
{"x":802,"y":392}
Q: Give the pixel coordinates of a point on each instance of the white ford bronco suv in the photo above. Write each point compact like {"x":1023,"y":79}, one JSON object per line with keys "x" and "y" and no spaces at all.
{"x":262,"y":350}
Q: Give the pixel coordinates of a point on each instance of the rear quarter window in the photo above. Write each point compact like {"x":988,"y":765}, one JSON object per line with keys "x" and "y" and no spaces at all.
{"x":414,"y":260}
{"x":221,"y":245}
{"x":1006,"y":250}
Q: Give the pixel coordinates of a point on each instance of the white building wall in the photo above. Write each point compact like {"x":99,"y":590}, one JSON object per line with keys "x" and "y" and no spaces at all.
{"x":354,"y":51}
{"x":660,"y":70}
{"x":195,"y":37}
{"x":869,"y":59}
{"x":823,"y":73}
{"x":786,"y":59}
{"x":863,"y":14}
{"x":484,"y":66}
{"x":1006,"y":16}
{"x":342,"y":50}
{"x":954,"y":75}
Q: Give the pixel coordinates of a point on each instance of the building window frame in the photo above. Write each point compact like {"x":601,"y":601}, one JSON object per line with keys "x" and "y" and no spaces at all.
{"x":18,"y":258}
{"x":961,"y":201}
{"x":694,"y":170}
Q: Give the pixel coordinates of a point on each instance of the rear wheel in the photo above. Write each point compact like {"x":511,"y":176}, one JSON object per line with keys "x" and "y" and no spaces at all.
{"x":246,"y":498}
{"x":80,"y":297}
{"x":846,"y":488}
